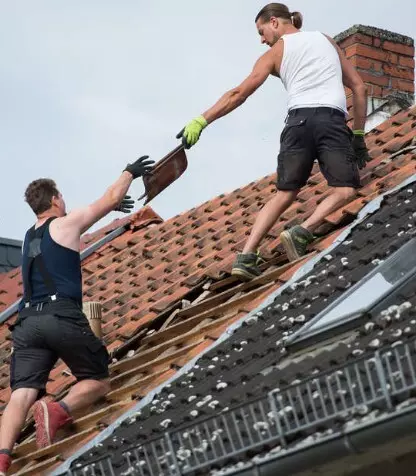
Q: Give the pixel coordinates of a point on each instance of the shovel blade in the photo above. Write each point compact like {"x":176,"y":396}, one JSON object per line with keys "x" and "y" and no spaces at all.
{"x":165,"y":172}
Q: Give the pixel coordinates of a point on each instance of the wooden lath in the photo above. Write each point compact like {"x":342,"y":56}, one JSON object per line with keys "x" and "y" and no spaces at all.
{"x":192,"y":322}
{"x":133,"y":365}
{"x":216,"y":300}
{"x":54,"y":449}
{"x":32,"y":469}
{"x":134,"y":387}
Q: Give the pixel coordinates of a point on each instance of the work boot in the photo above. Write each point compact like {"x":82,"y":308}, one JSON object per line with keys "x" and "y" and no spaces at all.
{"x":5,"y":462}
{"x":49,"y":417}
{"x":246,"y":266}
{"x":295,"y":241}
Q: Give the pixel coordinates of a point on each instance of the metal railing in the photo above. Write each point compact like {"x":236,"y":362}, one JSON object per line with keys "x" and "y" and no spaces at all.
{"x":375,"y":382}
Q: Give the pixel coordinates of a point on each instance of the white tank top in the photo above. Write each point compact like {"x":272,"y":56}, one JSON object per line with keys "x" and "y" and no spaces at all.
{"x":311,"y":71}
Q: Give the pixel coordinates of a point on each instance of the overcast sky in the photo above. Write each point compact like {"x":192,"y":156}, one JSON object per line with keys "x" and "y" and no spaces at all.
{"x":89,"y":85}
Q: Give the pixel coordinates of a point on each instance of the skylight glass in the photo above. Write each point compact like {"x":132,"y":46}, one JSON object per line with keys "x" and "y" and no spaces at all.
{"x":361,"y":297}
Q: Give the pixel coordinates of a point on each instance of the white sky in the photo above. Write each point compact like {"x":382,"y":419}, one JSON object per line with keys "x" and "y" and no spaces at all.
{"x":89,"y":85}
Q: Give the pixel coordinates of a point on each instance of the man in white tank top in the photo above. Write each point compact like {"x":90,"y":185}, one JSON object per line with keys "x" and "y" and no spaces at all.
{"x":314,"y":72}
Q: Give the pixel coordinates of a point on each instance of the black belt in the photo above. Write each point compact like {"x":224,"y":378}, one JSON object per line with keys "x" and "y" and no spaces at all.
{"x":40,"y":306}
{"x":315,"y":111}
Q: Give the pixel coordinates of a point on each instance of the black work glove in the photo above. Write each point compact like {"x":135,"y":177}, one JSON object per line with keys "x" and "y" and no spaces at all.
{"x":125,"y":205}
{"x":141,"y":167}
{"x":360,"y":150}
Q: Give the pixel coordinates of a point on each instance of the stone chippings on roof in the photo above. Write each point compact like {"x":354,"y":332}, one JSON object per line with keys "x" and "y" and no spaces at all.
{"x":150,"y":272}
{"x":231,"y":373}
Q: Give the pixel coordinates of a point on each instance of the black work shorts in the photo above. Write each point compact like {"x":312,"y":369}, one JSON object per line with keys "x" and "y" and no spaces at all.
{"x":316,"y":133}
{"x":40,"y":338}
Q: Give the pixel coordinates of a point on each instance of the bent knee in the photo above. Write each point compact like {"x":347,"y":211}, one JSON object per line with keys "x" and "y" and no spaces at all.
{"x":105,"y":386}
{"x":345,"y":193}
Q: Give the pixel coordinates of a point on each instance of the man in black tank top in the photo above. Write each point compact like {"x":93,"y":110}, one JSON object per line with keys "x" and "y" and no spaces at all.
{"x":51,"y":324}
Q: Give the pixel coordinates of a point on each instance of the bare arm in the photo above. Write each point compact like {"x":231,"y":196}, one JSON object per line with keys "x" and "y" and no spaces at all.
{"x":237,"y":96}
{"x":79,"y":220}
{"x":352,"y":80}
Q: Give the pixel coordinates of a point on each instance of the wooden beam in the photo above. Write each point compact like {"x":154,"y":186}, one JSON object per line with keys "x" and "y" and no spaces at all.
{"x":36,"y":469}
{"x":192,"y":322}
{"x":138,"y":363}
{"x":133,"y":387}
{"x":51,"y":450}
{"x":269,"y":275}
{"x":147,"y":367}
{"x":169,"y":319}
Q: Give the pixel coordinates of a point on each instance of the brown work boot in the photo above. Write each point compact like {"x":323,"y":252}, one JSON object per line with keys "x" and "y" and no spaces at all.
{"x":49,"y":417}
{"x":5,"y":462}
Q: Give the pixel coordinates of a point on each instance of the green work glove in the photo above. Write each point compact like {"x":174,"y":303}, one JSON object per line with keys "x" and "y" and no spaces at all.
{"x":191,"y":132}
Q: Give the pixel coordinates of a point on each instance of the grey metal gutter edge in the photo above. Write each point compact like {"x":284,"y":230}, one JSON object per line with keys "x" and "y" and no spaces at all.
{"x":84,"y":254}
{"x":370,"y":208}
{"x":357,"y":439}
{"x":11,"y":242}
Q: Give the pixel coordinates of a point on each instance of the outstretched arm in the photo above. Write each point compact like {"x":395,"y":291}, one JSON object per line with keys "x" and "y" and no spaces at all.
{"x":232,"y":99}
{"x":237,"y":96}
{"x":78,"y":221}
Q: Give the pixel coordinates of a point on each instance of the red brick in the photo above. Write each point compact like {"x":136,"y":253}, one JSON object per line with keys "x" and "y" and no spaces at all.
{"x":357,"y":38}
{"x":375,"y":91}
{"x":406,"y":61}
{"x":366,"y":63}
{"x":367,"y":51}
{"x":372,"y":79}
{"x":399,"y":72}
{"x":399,"y":48}
{"x":403,"y":85}
{"x":377,"y":42}
{"x":360,"y":62}
{"x":392,"y":58}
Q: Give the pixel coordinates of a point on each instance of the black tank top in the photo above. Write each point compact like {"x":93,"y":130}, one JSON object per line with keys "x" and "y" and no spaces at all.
{"x":62,"y":264}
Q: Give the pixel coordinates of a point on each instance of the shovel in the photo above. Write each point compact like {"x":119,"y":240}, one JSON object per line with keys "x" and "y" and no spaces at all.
{"x":165,"y":172}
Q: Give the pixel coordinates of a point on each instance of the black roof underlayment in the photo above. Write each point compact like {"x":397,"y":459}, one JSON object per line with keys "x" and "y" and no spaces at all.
{"x":254,"y":360}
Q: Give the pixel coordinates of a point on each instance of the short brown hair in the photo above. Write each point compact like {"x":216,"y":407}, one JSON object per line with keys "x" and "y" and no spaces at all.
{"x":39,"y":194}
{"x":279,"y":10}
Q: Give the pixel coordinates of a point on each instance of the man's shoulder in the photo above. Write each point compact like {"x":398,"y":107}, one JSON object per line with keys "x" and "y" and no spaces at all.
{"x":67,"y":225}
{"x":66,"y":232}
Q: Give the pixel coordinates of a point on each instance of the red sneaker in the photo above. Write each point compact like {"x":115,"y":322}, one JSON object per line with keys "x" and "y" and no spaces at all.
{"x":5,"y":462}
{"x":49,"y":417}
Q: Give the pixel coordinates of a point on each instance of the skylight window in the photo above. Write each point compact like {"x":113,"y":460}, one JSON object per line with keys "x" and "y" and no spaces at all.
{"x":360,"y":298}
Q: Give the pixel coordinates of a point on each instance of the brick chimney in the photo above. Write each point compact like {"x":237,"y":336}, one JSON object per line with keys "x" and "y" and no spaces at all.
{"x":385,"y":61}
